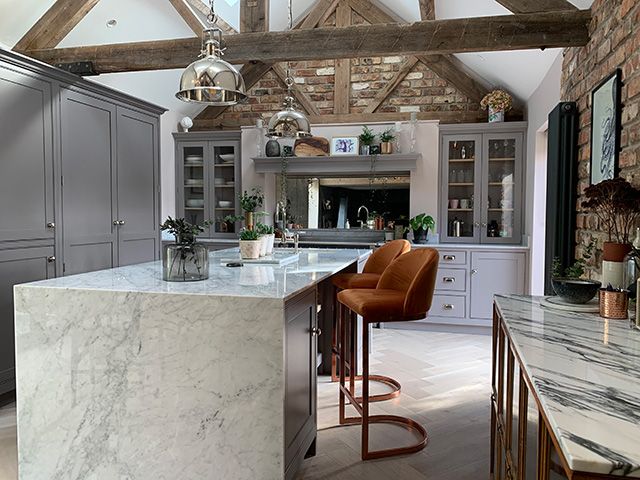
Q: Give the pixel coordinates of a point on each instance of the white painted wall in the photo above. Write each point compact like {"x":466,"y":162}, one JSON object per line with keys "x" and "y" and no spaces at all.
{"x":424,"y":181}
{"x":543,"y":100}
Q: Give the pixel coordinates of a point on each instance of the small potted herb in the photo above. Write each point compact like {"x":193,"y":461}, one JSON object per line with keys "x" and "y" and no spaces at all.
{"x":386,"y":139}
{"x":367,"y":138}
{"x":186,"y":260}
{"x":420,"y":225}
{"x":249,"y":202}
{"x":568,"y":283}
{"x":268,"y":237}
{"x":250,"y":244}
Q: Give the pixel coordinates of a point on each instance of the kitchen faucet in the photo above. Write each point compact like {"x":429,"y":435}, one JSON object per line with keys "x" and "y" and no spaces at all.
{"x":362,"y":224}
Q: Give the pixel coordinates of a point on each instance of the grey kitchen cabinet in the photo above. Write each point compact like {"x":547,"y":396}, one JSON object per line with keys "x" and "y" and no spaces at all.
{"x":300,"y":399}
{"x":483,"y":184}
{"x":18,"y":265}
{"x":75,"y":157}
{"x":110,"y":184}
{"x":208,"y":174}
{"x":26,"y":164}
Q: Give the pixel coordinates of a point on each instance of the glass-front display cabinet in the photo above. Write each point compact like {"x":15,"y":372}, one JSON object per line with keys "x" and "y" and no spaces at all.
{"x":481,"y":175}
{"x":208,"y":180}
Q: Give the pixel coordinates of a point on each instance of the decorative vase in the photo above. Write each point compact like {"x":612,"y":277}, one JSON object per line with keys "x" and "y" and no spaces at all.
{"x":272,"y":148}
{"x":374,"y":150}
{"x":248,"y":220}
{"x":613,"y":255}
{"x":386,"y":148}
{"x":614,"y":305}
{"x":250,"y":249}
{"x":364,"y":149}
{"x":185,"y":263}
{"x":420,"y":236}
{"x":271,"y":240}
{"x":495,"y":115}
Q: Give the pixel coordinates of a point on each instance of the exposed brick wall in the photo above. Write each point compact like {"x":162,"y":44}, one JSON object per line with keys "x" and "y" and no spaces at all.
{"x":615,"y":43}
{"x":420,"y":91}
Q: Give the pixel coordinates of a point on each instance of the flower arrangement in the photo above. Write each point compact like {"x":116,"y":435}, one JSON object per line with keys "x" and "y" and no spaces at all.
{"x":498,"y":100}
{"x":616,"y":203}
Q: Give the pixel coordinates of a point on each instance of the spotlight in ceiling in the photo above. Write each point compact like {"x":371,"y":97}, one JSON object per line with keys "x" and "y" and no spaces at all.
{"x":112,"y":23}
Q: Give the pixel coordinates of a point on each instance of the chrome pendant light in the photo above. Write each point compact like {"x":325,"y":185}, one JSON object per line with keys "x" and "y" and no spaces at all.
{"x":289,"y":122}
{"x":211,"y":80}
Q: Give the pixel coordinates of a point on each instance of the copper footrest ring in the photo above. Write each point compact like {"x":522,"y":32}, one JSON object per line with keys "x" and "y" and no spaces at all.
{"x":407,"y":423}
{"x":380,"y":397}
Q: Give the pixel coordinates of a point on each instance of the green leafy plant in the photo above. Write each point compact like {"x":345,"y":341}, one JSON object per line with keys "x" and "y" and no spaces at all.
{"x":234,"y":218}
{"x":367,"y":137}
{"x":249,"y":235}
{"x":249,"y":202}
{"x":388,"y":135}
{"x":263,"y":229}
{"x":184,"y":232}
{"x":578,"y":268}
{"x":422,"y":222}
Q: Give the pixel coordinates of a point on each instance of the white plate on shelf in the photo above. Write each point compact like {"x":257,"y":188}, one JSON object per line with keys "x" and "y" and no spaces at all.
{"x":194,"y":203}
{"x":231,"y":182}
{"x":227,"y":157}
{"x":225,"y":204}
{"x":195,"y":182}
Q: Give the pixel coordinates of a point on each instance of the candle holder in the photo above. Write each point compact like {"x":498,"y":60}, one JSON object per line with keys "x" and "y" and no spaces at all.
{"x":614,"y":304}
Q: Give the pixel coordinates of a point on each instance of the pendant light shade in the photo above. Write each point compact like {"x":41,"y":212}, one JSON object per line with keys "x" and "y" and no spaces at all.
{"x":211,"y":80}
{"x":289,"y":123}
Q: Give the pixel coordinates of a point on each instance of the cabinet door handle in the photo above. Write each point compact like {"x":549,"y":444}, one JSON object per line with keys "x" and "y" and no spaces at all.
{"x":51,"y":225}
{"x":447,"y":306}
{"x":316,"y":332}
{"x":476,"y":224}
{"x":449,"y":258}
{"x":51,"y":259}
{"x":116,"y":223}
{"x":121,"y":222}
{"x":448,"y":279}
{"x":474,"y":271}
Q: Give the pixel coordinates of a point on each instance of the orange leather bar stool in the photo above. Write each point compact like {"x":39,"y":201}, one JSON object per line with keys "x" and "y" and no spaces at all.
{"x":404,"y":292}
{"x":379,"y":260}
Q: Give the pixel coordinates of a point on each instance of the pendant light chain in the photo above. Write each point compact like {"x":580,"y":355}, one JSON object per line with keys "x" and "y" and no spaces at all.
{"x":289,"y":80}
{"x":212,"y":18}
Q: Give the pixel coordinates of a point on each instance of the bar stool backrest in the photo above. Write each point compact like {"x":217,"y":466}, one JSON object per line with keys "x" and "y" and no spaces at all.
{"x":415,"y":274}
{"x":382,"y":257}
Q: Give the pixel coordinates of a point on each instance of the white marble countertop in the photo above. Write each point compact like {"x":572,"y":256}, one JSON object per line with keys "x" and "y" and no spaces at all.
{"x":263,"y":281}
{"x":586,"y":373}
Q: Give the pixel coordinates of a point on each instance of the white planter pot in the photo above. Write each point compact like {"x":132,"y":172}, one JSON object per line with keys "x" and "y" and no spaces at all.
{"x":496,"y":115}
{"x":612,"y":273}
{"x":250,"y":249}
{"x":271,"y":240}
{"x":264,"y":243}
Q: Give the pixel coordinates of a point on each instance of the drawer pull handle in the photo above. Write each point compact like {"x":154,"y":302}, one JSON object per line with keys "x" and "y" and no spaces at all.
{"x":51,"y":225}
{"x":474,"y":271}
{"x":448,"y":279}
{"x":316,"y":332}
{"x":449,"y":258}
{"x":447,"y":306}
{"x":51,"y":259}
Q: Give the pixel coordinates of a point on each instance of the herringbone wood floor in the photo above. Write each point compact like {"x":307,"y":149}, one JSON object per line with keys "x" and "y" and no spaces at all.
{"x":445,"y":380}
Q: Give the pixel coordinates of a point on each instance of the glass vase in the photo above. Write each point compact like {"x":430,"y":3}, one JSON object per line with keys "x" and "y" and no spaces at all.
{"x":185,"y":263}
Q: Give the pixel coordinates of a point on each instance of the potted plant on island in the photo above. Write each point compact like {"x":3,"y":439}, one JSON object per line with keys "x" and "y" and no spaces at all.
{"x":420,"y":225}
{"x":616,"y":204}
{"x":185,"y":260}
{"x":250,"y":244}
{"x":268,"y":237}
{"x":249,"y":202}
{"x":367,"y":138}
{"x":498,"y":102}
{"x":386,"y":139}
{"x":569,"y":285}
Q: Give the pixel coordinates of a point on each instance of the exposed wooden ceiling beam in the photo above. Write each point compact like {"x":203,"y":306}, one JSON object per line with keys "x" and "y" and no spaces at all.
{"x":55,"y":24}
{"x":254,"y":71}
{"x":342,"y":76}
{"x":189,"y":16}
{"x":508,"y":32}
{"x":427,"y":9}
{"x":447,"y":67}
{"x":254,"y":15}
{"x":382,"y":94}
{"x":301,"y":97}
{"x":442,"y":117}
{"x":529,"y":6}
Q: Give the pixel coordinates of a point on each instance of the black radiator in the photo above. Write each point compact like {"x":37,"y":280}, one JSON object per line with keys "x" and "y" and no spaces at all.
{"x":562,"y":185}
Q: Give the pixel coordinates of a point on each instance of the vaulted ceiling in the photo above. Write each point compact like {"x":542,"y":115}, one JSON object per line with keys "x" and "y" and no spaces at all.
{"x":141,"y":20}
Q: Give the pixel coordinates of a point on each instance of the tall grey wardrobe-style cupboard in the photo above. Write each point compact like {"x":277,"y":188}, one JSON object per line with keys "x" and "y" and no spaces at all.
{"x":79,"y":182}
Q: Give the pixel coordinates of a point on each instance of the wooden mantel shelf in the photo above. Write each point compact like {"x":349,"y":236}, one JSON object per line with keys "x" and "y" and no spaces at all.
{"x":395,"y":163}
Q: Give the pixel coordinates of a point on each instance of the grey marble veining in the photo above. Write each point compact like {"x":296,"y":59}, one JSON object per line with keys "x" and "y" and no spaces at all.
{"x":586,"y":374}
{"x":247,"y":281}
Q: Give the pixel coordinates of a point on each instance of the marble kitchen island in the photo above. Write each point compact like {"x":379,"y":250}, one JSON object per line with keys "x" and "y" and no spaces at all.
{"x":121,"y":375}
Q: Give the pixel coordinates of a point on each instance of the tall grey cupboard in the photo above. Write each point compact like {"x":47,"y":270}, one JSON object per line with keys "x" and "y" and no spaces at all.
{"x":79,"y":182}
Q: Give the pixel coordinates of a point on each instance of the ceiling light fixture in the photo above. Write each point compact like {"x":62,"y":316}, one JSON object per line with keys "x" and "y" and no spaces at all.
{"x":211,"y":80}
{"x":289,"y":122}
{"x":112,"y":23}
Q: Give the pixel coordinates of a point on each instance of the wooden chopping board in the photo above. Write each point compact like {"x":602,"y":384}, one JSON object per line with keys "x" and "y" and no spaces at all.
{"x":311,"y":147}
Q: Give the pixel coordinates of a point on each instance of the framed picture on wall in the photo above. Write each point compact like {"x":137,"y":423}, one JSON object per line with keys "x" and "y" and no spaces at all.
{"x":606,"y":111}
{"x":344,"y":145}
